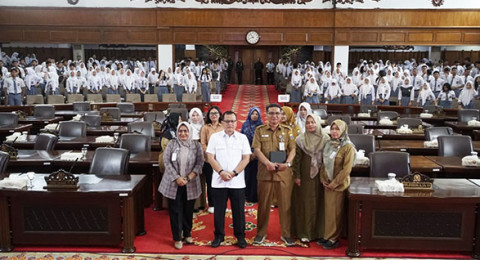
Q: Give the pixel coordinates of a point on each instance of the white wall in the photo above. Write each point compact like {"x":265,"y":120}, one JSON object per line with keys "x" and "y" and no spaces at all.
{"x":340,"y":54}
{"x":165,"y":56}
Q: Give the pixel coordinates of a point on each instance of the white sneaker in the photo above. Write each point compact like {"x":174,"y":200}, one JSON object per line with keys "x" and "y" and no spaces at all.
{"x":210,"y":210}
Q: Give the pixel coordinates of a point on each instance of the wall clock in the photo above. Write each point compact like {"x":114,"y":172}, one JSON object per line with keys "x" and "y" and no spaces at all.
{"x":252,"y":37}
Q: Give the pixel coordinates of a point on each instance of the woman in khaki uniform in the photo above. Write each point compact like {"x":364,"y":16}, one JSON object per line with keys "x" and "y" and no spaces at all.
{"x":338,"y":158}
{"x":307,"y":196}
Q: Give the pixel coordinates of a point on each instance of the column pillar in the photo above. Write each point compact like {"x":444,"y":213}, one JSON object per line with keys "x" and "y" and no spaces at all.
{"x":340,"y":54}
{"x":435,"y":53}
{"x":78,"y":51}
{"x":165,"y":56}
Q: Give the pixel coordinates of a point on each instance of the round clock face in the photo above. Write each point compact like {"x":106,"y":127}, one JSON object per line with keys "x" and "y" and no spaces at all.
{"x":252,"y":37}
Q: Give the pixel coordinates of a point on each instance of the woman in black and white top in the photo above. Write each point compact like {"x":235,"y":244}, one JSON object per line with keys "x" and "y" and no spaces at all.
{"x":205,"y":80}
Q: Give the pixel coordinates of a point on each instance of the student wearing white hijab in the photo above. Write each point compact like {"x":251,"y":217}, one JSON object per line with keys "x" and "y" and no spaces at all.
{"x":426,"y":96}
{"x":191,"y":83}
{"x":296,"y":92}
{"x":303,"y":110}
{"x":349,"y":92}
{"x":406,"y":93}
{"x":129,"y":82}
{"x":383,"y":93}
{"x":178,"y":84}
{"x":81,"y":81}
{"x":195,"y":118}
{"x":51,"y":87}
{"x":94,"y":83}
{"x":112,"y":83}
{"x":72,"y":84}
{"x":366,"y":93}
{"x":312,"y":91}
{"x":465,"y":100}
{"x":333,"y":93}
{"x":32,"y":81}
{"x":326,"y":80}
{"x":395,"y":84}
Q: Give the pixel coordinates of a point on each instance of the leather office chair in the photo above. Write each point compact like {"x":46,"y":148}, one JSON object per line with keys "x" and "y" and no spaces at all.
{"x":4,"y":158}
{"x":382,"y":163}
{"x":364,"y":142}
{"x":465,"y":115}
{"x":177,"y":105}
{"x":182,"y":111}
{"x":113,"y":111}
{"x":355,"y":129}
{"x":433,"y":133}
{"x":72,"y":129}
{"x":392,"y":115}
{"x":44,"y":111}
{"x":81,"y":106}
{"x":45,"y":142}
{"x":109,"y":161}
{"x":126,"y":107}
{"x":169,"y":98}
{"x":92,"y":120}
{"x":136,"y":143}
{"x":153,"y":116}
{"x":345,"y":118}
{"x":322,"y":113}
{"x":8,"y":120}
{"x":431,"y":109}
{"x":454,"y":145}
{"x":145,"y":128}
{"x":411,"y":122}
{"x":365,"y":108}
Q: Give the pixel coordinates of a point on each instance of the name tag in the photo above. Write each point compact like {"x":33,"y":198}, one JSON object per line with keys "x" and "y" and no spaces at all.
{"x":332,"y":155}
{"x":265,"y":136}
{"x":281,"y":146}
{"x":174,"y":157}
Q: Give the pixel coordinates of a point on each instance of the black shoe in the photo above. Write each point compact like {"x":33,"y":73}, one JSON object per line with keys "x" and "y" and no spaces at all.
{"x":288,"y":241}
{"x":242,"y":243}
{"x":217,"y":241}
{"x":331,"y":245}
{"x":258,"y":240}
{"x":322,"y":242}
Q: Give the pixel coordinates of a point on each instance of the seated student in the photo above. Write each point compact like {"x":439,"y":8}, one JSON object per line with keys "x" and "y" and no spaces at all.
{"x":465,"y":100}
{"x":446,"y":96}
{"x":426,"y":96}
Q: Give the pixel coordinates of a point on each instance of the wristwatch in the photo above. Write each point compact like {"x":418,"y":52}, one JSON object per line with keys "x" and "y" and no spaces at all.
{"x":235,"y":172}
{"x":188,"y":178}
{"x":289,"y":164}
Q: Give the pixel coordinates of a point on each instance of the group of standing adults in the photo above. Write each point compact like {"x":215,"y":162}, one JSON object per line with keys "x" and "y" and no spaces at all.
{"x":291,"y":163}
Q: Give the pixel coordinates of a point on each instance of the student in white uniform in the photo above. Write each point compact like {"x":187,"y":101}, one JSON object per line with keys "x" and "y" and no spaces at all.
{"x":455,"y":81}
{"x":142,"y":85}
{"x":129,"y":82}
{"x":333,"y":93}
{"x":205,"y":80}
{"x":94,"y":83}
{"x":72,"y":84}
{"x":296,"y":92}
{"x":416,"y":82}
{"x":405,"y":95}
{"x":14,"y":88}
{"x":436,"y":83}
{"x":383,"y":93}
{"x":51,"y":87}
{"x":32,"y":81}
{"x":465,"y":100}
{"x":446,"y":96}
{"x":112,"y":83}
{"x":366,"y":93}
{"x":426,"y":96}
{"x":312,"y":91}
{"x":178,"y":84}
{"x":349,"y":92}
{"x":191,"y":83}
{"x":152,"y":80}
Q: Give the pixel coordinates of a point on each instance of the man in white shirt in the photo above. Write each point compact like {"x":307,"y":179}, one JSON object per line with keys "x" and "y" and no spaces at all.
{"x":455,"y":81}
{"x":14,"y":88}
{"x":417,"y":81}
{"x":436,"y":83}
{"x":228,"y":153}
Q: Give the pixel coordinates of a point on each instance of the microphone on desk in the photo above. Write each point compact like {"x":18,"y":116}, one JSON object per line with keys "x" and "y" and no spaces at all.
{"x":73,"y":165}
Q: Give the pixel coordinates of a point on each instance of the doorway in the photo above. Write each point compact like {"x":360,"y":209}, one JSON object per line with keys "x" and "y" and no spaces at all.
{"x":250,"y":55}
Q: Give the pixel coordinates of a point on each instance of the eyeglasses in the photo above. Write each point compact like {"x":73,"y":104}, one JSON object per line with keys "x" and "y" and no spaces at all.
{"x":214,"y":113}
{"x":274,"y":113}
{"x":229,"y":121}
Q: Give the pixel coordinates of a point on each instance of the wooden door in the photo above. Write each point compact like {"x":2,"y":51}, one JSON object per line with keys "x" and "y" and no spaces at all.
{"x":250,"y":55}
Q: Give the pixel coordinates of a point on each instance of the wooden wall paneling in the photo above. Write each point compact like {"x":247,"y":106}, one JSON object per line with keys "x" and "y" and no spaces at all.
{"x":209,"y":37}
{"x":452,"y":56}
{"x":7,"y":35}
{"x":422,"y":37}
{"x":388,"y":37}
{"x":89,"y":36}
{"x":448,"y":37}
{"x":143,"y":36}
{"x":185,"y":37}
{"x":363,"y":37}
{"x":320,"y":38}
{"x":36,"y":36}
{"x":471,"y":37}
{"x":63,"y":36}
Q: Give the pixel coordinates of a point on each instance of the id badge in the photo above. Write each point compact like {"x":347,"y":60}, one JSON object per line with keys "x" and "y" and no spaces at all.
{"x":281,"y":146}
{"x":333,"y":155}
{"x":174,"y":157}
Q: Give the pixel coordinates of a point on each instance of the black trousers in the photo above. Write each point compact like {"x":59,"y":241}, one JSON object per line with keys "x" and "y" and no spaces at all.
{"x":239,"y":77}
{"x":181,"y":214}
{"x":208,"y":171}
{"x":270,"y":78}
{"x":251,"y":181}
{"x":237,"y":201}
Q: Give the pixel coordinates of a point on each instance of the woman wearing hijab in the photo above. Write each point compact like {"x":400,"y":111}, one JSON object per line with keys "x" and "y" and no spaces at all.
{"x":129,"y":82}
{"x":338,"y":158}
{"x":465,"y":100}
{"x":32,"y":81}
{"x":191,"y":83}
{"x":290,"y":121}
{"x":312,"y":91}
{"x":333,"y":93}
{"x":303,"y":110}
{"x":405,"y":93}
{"x":426,"y":96}
{"x":366,"y":93}
{"x":395,"y":84}
{"x":178,"y":84}
{"x":349,"y":91}
{"x":307,"y":195}
{"x":195,"y":118}
{"x":51,"y":87}
{"x":213,"y":125}
{"x":383,"y":92}
{"x":254,"y":119}
{"x":112,"y":83}
{"x":180,"y":183}
{"x":72,"y":84}
{"x":296,"y":92}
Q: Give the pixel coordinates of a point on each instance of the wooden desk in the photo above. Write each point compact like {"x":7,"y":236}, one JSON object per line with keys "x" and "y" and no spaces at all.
{"x":96,"y":214}
{"x":69,"y":114}
{"x":452,"y":167}
{"x":122,"y":121}
{"x":476,"y":135}
{"x":414,"y":147}
{"x":75,"y":143}
{"x":418,"y":163}
{"x":444,"y":220}
{"x":462,"y":128}
{"x":39,"y":123}
{"x":390,"y":134}
{"x":6,"y":131}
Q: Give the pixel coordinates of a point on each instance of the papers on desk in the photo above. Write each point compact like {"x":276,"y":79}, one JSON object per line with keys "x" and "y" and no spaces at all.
{"x":71,"y":156}
{"x":471,"y":160}
{"x":360,"y":158}
{"x":51,"y":127}
{"x":78,"y":117}
{"x":105,"y":139}
{"x":473,"y":123}
{"x":363,"y":114}
{"x":404,"y":130}
{"x":431,"y":144}
{"x":14,"y":181}
{"x":17,"y":135}
{"x":88,"y":179}
{"x":426,"y":115}
{"x":385,"y":121}
{"x":392,"y":185}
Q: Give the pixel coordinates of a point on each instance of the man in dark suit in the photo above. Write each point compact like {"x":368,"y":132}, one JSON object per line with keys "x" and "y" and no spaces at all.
{"x":239,"y":70}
